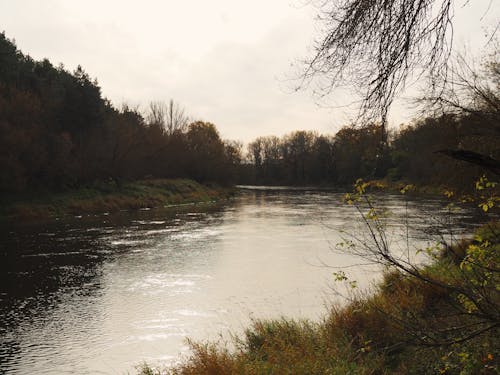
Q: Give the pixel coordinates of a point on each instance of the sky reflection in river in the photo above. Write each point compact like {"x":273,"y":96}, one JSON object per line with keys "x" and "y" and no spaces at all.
{"x":100,"y":295}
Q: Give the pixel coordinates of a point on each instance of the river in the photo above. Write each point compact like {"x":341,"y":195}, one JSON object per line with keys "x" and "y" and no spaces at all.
{"x":101,"y":294}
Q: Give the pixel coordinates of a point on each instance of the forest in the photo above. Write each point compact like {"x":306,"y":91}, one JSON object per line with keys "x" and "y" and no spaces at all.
{"x":58,"y":132}
{"x":414,"y":153}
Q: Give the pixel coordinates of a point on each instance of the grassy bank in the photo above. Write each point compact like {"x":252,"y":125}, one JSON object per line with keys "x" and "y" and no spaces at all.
{"x":107,"y":197}
{"x":406,"y":326}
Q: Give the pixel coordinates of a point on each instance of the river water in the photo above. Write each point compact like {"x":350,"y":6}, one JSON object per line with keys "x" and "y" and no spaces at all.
{"x":101,"y":294}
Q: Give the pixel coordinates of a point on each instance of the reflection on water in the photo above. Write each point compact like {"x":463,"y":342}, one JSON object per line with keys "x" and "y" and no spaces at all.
{"x":102,"y":294}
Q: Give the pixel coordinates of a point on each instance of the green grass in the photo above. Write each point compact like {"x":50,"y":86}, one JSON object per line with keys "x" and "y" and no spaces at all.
{"x":378,"y":333}
{"x":107,"y":197}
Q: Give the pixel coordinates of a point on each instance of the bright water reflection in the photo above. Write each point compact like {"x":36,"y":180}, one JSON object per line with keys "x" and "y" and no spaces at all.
{"x":101,"y":295}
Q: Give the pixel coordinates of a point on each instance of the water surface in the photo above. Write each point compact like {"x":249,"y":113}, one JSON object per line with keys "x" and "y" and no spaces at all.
{"x":100,"y":295}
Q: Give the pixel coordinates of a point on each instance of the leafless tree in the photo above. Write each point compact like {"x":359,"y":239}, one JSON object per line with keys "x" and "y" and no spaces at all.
{"x":170,"y":117}
{"x":471,"y":91}
{"x":375,"y":46}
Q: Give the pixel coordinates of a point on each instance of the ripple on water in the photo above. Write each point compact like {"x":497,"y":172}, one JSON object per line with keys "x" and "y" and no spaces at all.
{"x":164,"y":283}
{"x":196,"y":234}
{"x":193,"y":313}
{"x":160,"y":231}
{"x":125,"y":242}
{"x":149,"y":222}
{"x":155,"y":336}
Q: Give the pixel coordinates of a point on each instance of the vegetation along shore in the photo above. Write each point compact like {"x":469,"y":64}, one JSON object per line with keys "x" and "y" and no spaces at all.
{"x":108,"y":197}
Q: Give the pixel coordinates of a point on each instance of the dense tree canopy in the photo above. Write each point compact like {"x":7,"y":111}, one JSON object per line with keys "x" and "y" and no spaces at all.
{"x":413,"y":154}
{"x":58,"y":132}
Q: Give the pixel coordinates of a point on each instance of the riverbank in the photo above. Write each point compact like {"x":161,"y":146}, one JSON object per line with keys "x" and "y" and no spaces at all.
{"x":407,"y":325}
{"x":107,"y":197}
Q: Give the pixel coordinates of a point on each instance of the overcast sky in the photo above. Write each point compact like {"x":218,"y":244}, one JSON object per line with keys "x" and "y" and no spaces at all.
{"x":225,"y":61}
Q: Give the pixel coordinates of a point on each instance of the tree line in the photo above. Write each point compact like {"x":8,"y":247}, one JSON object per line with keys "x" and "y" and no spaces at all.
{"x":58,"y":132}
{"x":413,"y":153}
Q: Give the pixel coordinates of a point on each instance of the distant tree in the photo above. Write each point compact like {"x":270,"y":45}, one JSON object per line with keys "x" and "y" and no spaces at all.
{"x":206,"y":152}
{"x":82,"y":107}
{"x":297,"y":151}
{"x":357,"y":153}
{"x":323,"y":168}
{"x":233,"y":151}
{"x":9,"y":61}
{"x":124,"y":146}
{"x":168,"y":116}
{"x":255,"y":152}
{"x":255,"y":155}
{"x":233,"y":155}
